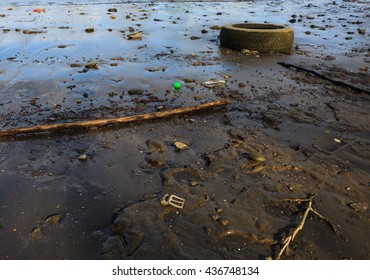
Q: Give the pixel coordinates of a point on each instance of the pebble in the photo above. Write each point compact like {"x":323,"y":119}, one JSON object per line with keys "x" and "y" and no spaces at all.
{"x":215,"y":217}
{"x":136,"y":92}
{"x":135,"y":36}
{"x":53,"y":219}
{"x":181,"y":146}
{"x":224,"y":222}
{"x":36,"y":233}
{"x":112,"y":10}
{"x":89,"y":30}
{"x":362,"y":31}
{"x":256,"y":157}
{"x":82,"y":157}
{"x":359,"y":206}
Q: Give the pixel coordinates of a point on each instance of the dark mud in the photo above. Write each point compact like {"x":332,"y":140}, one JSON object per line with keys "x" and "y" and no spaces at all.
{"x":97,"y":193}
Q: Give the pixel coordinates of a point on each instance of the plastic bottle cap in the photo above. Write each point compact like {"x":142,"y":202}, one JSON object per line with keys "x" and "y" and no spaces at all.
{"x":177,"y":85}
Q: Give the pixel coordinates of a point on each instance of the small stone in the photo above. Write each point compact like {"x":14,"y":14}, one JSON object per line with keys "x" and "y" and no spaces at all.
{"x":194,"y":38}
{"x":208,"y":230}
{"x":216,"y":27}
{"x":112,"y":10}
{"x":359,"y":206}
{"x":362,"y":31}
{"x":75,"y":65}
{"x":181,"y":146}
{"x":36,"y":233}
{"x":93,"y":65}
{"x":135,"y":36}
{"x":204,"y":31}
{"x":215,"y":217}
{"x":224,"y":222}
{"x":53,"y":219}
{"x":113,"y":17}
{"x":256,"y":157}
{"x":62,"y":46}
{"x":136,"y":92}
{"x":242,"y":85}
{"x":193,"y":183}
{"x":293,"y":20}
{"x":82,"y":157}
{"x":131,"y":29}
{"x":78,"y":101}
{"x":348,"y":38}
{"x":86,"y":95}
{"x":89,"y":30}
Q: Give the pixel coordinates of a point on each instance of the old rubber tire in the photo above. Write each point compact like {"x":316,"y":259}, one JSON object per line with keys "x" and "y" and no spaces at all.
{"x":257,"y":37}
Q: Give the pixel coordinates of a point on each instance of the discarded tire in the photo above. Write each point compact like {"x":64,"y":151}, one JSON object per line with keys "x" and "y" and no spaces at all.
{"x":257,"y":37}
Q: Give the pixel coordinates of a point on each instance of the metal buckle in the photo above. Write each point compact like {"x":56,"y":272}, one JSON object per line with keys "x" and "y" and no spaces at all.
{"x":173,"y":200}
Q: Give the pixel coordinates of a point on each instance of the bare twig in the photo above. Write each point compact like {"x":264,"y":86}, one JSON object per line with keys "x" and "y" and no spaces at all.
{"x":336,"y":82}
{"x":119,"y":120}
{"x":290,"y":238}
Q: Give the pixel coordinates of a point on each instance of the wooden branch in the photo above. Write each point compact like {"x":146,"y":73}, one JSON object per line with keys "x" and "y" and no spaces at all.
{"x":336,"y":82}
{"x":119,"y":120}
{"x":309,"y":209}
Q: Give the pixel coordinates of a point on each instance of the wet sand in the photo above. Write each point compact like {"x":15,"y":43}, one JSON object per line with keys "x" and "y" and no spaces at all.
{"x":286,"y":133}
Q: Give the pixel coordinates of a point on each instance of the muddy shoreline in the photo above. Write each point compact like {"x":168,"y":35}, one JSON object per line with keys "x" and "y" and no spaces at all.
{"x":96,"y":194}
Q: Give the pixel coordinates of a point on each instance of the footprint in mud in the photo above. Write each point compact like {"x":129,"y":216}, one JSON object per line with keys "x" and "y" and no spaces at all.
{"x":156,"y":156}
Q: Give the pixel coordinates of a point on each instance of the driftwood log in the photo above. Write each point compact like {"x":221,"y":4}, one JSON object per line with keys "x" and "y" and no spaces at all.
{"x":336,"y":82}
{"x":112,"y":121}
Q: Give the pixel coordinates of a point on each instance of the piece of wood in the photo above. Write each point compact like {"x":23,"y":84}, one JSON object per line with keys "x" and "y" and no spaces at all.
{"x":286,"y":242}
{"x":336,"y":82}
{"x":112,"y":121}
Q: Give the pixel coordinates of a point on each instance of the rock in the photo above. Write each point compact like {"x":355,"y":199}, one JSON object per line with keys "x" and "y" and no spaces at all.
{"x":214,"y":83}
{"x":358,"y":206}
{"x":131,"y":29}
{"x":136,"y":92}
{"x":135,"y":36}
{"x":74,"y":65}
{"x":112,"y":10}
{"x":93,"y":65}
{"x":53,"y":219}
{"x":194,"y":38}
{"x":250,"y":52}
{"x":242,"y":85}
{"x":256,"y":157}
{"x":216,"y":27}
{"x":36,"y":233}
{"x":215,"y":217}
{"x":32,"y":31}
{"x":224,"y":222}
{"x":181,"y":146}
{"x":82,"y":157}
{"x":204,"y":31}
{"x":89,"y":30}
{"x":78,"y":101}
{"x":362,"y":31}
{"x":62,"y":46}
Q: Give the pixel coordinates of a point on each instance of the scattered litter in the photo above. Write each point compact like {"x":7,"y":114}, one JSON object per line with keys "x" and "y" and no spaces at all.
{"x":173,"y":200}
{"x":214,"y":83}
{"x":39,"y":10}
{"x":177,"y":85}
{"x":135,"y":36}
